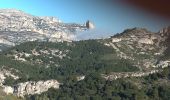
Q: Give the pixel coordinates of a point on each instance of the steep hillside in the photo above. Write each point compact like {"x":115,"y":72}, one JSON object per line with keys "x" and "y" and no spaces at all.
{"x":30,"y":69}
{"x":52,"y":60}
{"x":17,"y":27}
{"x":139,"y":45}
{"x":153,"y":87}
{"x":146,"y":50}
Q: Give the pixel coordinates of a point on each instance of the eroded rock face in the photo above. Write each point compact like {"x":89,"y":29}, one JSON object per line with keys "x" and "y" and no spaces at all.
{"x":145,"y":41}
{"x":114,"y":40}
{"x":8,"y":90}
{"x":31,"y":87}
{"x":26,"y":88}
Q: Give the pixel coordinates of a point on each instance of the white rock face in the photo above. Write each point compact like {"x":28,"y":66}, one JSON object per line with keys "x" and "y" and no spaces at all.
{"x":80,"y":78}
{"x":25,"y":88}
{"x":8,"y":90}
{"x":116,"y":40}
{"x":145,"y":41}
{"x":18,"y":27}
{"x":35,"y":87}
{"x":115,"y":76}
{"x":12,"y":19}
{"x":163,"y":64}
{"x":31,"y":87}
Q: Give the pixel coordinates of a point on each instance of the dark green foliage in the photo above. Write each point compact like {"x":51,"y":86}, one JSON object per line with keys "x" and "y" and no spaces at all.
{"x":164,"y":92}
{"x":93,"y":87}
{"x":84,"y":57}
{"x":166,"y":54}
{"x":89,"y":58}
{"x":9,"y":81}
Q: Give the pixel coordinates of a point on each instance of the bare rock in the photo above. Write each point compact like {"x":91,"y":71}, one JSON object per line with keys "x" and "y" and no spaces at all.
{"x":90,"y":25}
{"x":145,"y":41}
{"x":31,"y":87}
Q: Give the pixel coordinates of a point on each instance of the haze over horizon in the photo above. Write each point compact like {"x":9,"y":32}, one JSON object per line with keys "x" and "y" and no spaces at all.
{"x":109,"y":16}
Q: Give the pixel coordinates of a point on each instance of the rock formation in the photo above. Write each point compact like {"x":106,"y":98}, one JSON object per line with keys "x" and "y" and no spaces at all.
{"x":145,"y":41}
{"x":26,"y":88}
{"x":17,"y":27}
{"x":31,"y":87}
{"x":90,"y":25}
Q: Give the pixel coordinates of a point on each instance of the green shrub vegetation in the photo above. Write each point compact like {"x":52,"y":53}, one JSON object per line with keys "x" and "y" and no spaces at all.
{"x":93,"y":87}
{"x":84,"y":57}
{"x":89,"y":58}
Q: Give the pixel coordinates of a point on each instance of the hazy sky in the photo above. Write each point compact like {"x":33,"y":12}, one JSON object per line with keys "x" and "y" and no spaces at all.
{"x":108,"y":15}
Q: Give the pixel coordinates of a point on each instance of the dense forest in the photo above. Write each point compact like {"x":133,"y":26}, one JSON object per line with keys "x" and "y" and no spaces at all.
{"x":153,"y":87}
{"x":90,"y":58}
{"x":84,"y":57}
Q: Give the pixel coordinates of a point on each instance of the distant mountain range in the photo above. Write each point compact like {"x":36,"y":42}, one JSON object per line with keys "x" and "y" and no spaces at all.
{"x":17,"y":26}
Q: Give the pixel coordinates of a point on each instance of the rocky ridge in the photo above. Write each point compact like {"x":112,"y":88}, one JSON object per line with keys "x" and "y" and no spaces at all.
{"x":17,"y":27}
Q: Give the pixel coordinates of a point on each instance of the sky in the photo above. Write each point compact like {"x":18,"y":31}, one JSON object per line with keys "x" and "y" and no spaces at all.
{"x":109,"y":16}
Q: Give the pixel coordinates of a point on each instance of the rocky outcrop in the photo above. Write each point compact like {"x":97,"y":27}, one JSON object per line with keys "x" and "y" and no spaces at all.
{"x":90,"y":25}
{"x":116,"y":40}
{"x":26,"y":88}
{"x":163,"y":64}
{"x":146,"y":41}
{"x":79,"y":78}
{"x":115,"y":76}
{"x":31,"y":87}
{"x":8,"y":90}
